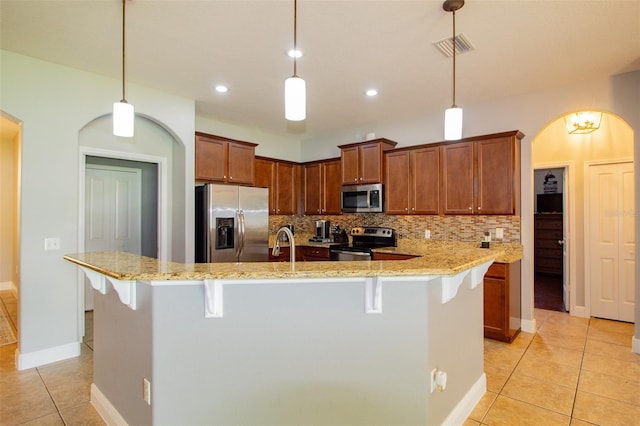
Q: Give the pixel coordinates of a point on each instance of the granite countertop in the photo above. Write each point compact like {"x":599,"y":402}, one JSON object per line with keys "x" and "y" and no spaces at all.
{"x":127,"y":266}
{"x":505,"y":252}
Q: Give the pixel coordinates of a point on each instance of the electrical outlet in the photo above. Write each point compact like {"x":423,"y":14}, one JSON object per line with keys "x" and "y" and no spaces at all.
{"x":146,"y":391}
{"x":52,"y":243}
{"x":427,"y":234}
{"x":499,"y":233}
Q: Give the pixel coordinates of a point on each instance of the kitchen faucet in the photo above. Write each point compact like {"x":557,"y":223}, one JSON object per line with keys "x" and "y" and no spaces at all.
{"x":292,"y":245}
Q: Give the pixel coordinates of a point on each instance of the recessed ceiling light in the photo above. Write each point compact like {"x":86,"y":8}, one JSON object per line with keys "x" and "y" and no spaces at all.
{"x":221,"y":88}
{"x":371,"y":92}
{"x":294,"y":53}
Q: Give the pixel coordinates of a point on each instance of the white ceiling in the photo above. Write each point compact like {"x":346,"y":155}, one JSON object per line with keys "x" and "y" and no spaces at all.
{"x":186,"y":47}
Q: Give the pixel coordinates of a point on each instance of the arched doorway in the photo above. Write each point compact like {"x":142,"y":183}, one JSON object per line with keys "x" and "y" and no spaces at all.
{"x":575,"y":153}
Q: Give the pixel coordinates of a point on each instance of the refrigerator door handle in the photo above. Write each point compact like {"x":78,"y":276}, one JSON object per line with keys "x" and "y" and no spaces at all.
{"x":241,"y":233}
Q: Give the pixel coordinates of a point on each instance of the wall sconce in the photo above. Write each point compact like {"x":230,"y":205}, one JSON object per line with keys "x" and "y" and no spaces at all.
{"x":583,"y":122}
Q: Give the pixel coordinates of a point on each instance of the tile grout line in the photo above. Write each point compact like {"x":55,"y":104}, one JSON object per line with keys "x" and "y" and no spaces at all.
{"x":505,"y":382}
{"x":584,"y":351}
{"x":50,"y":396}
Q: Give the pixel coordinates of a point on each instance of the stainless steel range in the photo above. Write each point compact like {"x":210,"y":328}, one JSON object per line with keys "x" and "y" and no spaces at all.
{"x":364,"y":240}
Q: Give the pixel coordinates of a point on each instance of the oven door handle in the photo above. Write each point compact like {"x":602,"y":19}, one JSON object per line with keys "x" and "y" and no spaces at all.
{"x":354,"y":253}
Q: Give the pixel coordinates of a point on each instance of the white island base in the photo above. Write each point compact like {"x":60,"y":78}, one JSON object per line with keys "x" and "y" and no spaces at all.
{"x":338,"y":351}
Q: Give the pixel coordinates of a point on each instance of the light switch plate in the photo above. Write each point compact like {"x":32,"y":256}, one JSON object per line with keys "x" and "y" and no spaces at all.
{"x":52,"y":243}
{"x":499,"y":233}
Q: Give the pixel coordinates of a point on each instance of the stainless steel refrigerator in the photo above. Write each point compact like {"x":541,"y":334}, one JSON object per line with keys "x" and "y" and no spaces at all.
{"x":231,"y":223}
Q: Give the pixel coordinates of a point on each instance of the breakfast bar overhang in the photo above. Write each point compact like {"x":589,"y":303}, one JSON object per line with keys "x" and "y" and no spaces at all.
{"x":340,"y":343}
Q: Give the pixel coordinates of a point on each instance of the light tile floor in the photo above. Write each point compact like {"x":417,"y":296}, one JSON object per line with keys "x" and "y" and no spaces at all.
{"x":574,"y":371}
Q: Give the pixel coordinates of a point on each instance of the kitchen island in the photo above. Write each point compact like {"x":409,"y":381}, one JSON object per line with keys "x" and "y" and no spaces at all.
{"x":339,"y":343}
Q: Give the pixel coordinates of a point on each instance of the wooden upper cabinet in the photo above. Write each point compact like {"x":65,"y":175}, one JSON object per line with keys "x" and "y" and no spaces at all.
{"x":265,"y":172}
{"x":482,"y":175}
{"x":458,"y":178}
{"x":281,"y":178}
{"x":322,"y":183}
{"x":498,"y":185}
{"x":412,"y":181}
{"x":332,"y":182}
{"x":350,"y":169}
{"x":397,"y":178}
{"x":210,"y":159}
{"x":362,"y":163}
{"x":219,"y":159}
{"x":286,"y":200}
{"x":425,"y":174}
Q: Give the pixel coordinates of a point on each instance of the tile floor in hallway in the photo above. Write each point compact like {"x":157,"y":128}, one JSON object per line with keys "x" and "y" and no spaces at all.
{"x":574,"y":371}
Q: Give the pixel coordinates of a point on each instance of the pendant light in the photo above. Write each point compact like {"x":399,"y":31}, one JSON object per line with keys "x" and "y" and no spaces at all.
{"x":453,"y":115}
{"x":295,"y":92}
{"x":123,"y":113}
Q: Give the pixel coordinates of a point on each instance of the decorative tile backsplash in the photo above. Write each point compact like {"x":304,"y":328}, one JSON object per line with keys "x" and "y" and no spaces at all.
{"x":445,"y":228}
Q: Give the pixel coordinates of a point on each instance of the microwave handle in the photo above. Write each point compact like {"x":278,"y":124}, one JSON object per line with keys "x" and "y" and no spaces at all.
{"x":369,"y":195}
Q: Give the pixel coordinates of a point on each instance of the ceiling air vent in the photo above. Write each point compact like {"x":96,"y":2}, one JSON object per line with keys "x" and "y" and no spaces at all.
{"x":462,"y":45}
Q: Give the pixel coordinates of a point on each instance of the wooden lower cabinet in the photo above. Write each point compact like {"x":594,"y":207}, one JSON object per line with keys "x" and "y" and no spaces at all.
{"x":303,"y":253}
{"x":310,"y":254}
{"x":391,"y":256}
{"x":502,"y":306}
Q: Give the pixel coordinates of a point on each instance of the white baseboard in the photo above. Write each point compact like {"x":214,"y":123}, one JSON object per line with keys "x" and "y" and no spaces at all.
{"x":7,"y":285}
{"x":466,"y":405}
{"x":47,"y":356}
{"x":529,"y":326}
{"x":105,"y":409}
{"x":635,"y":345}
{"x":580,"y":311}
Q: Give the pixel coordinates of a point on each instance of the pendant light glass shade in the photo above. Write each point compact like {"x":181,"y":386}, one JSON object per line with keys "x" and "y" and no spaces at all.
{"x":453,"y":124}
{"x":123,"y":116}
{"x":295,"y":88}
{"x":123,"y":113}
{"x":453,"y":115}
{"x":295,"y":99}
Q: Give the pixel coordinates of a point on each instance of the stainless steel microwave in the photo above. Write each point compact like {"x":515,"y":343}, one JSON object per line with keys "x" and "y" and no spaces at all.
{"x":362,"y":198}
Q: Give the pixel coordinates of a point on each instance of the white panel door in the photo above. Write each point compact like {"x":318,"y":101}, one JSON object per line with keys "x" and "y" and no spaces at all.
{"x":612,"y":245}
{"x":112,"y":212}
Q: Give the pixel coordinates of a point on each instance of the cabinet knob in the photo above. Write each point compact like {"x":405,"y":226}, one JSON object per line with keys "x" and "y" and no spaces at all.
{"x":470,"y":208}
{"x":413,"y":209}
{"x":406,"y":209}
{"x":231,"y":177}
{"x":479,"y":208}
{"x":355,"y":179}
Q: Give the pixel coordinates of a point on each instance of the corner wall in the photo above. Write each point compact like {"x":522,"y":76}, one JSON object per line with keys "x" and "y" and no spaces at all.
{"x":54,"y":103}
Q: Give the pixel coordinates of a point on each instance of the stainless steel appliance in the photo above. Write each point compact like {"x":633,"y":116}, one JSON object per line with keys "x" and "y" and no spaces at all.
{"x":362,"y":198}
{"x":363,"y":241}
{"x":323,"y":232}
{"x":231,"y":224}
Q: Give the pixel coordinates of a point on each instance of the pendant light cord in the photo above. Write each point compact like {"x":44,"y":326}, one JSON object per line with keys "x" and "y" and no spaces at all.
{"x":295,"y":37}
{"x":453,"y":40}
{"x":124,"y":98}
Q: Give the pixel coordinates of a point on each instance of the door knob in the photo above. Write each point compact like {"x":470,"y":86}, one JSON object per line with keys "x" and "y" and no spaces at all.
{"x":561,"y":242}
